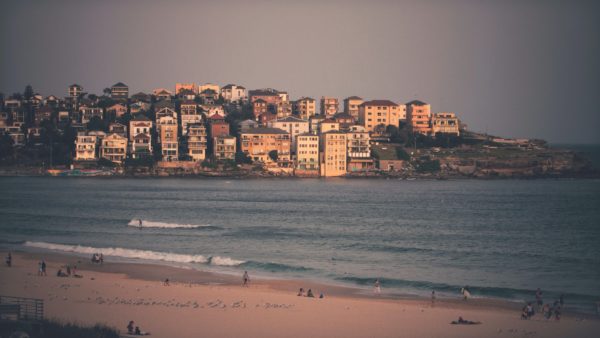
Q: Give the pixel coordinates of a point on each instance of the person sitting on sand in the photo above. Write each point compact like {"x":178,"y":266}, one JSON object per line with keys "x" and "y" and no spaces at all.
{"x":166,"y":282}
{"x":60,"y":273}
{"x":321,"y":296}
{"x":462,"y":321}
{"x":546,"y":311}
{"x":524,"y":314}
{"x":301,"y":292}
{"x":139,"y":332}
{"x":130,"y":327}
{"x":310,"y":293}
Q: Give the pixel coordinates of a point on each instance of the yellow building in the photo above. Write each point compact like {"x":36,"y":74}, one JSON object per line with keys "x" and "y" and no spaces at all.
{"x":307,"y":154}
{"x":114,"y":148}
{"x":196,"y":141}
{"x":372,"y":114}
{"x":351,"y":105}
{"x":258,"y":143}
{"x":168,"y":138}
{"x":224,"y":147}
{"x":305,"y":108}
{"x":333,"y":153}
{"x":293,"y":125}
{"x":445,"y":123}
{"x":418,"y":116}
{"x":85,"y":148}
{"x":328,"y":125}
{"x":186,"y":86}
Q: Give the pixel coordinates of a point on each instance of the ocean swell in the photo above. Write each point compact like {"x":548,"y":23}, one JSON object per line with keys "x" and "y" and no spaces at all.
{"x":152,"y":224}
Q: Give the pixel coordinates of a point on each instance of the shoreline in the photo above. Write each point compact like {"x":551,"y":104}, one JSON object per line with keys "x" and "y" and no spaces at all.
{"x":217,"y":305}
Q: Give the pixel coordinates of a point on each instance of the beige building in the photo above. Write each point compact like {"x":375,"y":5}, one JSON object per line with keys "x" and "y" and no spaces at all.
{"x":305,"y":108}
{"x":234,"y":93}
{"x":359,"y":149}
{"x":114,"y":148}
{"x":257,"y":143}
{"x":224,"y":147}
{"x":168,"y":138}
{"x":328,"y":125}
{"x":119,"y":91}
{"x":333,"y":153}
{"x":293,"y":125}
{"x":307,"y":154}
{"x":351,"y":105}
{"x":140,"y":135}
{"x":197,"y":141}
{"x":418,"y":116}
{"x":445,"y":123}
{"x":189,"y":115}
{"x":284,"y":109}
{"x":75,"y":90}
{"x":329,"y":106}
{"x":85,"y":147}
{"x":376,"y":113}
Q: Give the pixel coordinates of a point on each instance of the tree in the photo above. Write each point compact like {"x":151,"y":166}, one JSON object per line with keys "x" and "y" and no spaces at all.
{"x":28,"y":93}
{"x":242,"y":158}
{"x":6,"y":146}
{"x":106,"y":91}
{"x":95,"y":123}
{"x":273,"y":155}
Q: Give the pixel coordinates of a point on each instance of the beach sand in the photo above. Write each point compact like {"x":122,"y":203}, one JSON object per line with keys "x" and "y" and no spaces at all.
{"x":202,"y":304}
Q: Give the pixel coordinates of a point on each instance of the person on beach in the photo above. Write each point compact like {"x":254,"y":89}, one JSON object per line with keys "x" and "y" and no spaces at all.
{"x":377,"y":288}
{"x":465,"y":292}
{"x":101,"y":258}
{"x":321,"y":296}
{"x":432,"y":297}
{"x":130,"y":327}
{"x":462,"y":321}
{"x":561,"y":300}
{"x":68,"y":270}
{"x":44,"y":268}
{"x":246,"y":278}
{"x":310,"y":294}
{"x":547,"y":311}
{"x":166,"y":282}
{"x":301,"y":292}
{"x":538,"y":298}
{"x":530,"y":311}
{"x":60,"y":273}
{"x":140,"y":221}
{"x":9,"y":260}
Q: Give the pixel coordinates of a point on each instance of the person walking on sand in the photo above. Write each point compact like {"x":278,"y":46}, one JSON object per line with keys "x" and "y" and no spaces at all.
{"x":246,"y":278}
{"x":377,"y":287}
{"x":432,"y":297}
{"x":9,"y":260}
{"x":39,"y":268}
{"x":538,"y":298}
{"x":44,"y":268}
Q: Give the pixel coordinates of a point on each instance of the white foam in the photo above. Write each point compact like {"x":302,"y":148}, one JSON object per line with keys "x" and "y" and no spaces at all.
{"x":151,"y":224}
{"x":225,"y":261}
{"x":121,"y":252}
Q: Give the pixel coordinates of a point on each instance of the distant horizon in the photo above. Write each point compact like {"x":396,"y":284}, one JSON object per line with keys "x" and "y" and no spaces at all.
{"x":519,"y":69}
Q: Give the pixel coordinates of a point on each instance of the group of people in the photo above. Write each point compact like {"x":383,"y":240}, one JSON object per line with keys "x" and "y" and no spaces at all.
{"x":69,"y":272}
{"x":548,"y":311}
{"x":309,"y":293}
{"x":135,"y":330}
{"x":98,"y":258}
{"x":42,"y":268}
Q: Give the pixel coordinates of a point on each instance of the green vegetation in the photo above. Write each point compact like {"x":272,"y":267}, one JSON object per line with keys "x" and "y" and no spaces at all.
{"x":428,"y":166}
{"x":273,"y":155}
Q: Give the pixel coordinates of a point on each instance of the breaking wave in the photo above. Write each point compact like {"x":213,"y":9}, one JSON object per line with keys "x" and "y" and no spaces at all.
{"x":138,"y":254}
{"x":152,"y":224}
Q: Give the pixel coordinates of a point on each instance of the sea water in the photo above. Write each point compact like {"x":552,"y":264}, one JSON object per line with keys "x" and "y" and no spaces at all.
{"x":502,"y":238}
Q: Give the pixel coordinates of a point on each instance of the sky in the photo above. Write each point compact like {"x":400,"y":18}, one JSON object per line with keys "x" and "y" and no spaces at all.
{"x":514,"y":68}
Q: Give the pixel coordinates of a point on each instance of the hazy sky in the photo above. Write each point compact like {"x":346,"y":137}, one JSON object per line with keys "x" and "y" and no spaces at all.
{"x":517,"y":68}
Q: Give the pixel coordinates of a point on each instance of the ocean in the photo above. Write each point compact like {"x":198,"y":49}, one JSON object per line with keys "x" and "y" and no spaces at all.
{"x":502,"y":238}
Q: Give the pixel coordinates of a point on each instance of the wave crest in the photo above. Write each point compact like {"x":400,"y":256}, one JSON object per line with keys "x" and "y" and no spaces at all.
{"x":152,"y":224}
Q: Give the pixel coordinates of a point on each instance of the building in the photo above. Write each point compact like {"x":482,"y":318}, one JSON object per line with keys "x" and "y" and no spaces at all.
{"x":186,"y":86}
{"x":345,"y":120}
{"x":259,"y":107}
{"x":234,"y":93}
{"x":307,"y":154}
{"x":87,"y":113}
{"x":247,"y":124}
{"x":169,"y":138}
{"x":224,"y":147}
{"x":270,"y":96}
{"x":329,"y":106}
{"x":117,"y":128}
{"x":189,"y":114}
{"x":387,"y":158}
{"x":139,"y":107}
{"x":305,"y":108}
{"x":196,"y":141}
{"x":351,"y":105}
{"x":75,"y":90}
{"x":116,"y":111}
{"x":119,"y":91}
{"x":42,"y":113}
{"x":114,"y":148}
{"x":141,"y":97}
{"x":333,"y":153}
{"x":218,"y":126}
{"x":209,"y":96}
{"x":379,"y":114}
{"x":293,"y":125}
{"x":210,"y":86}
{"x":162,"y":94}
{"x":260,"y":143}
{"x":85,"y":147}
{"x":445,"y":123}
{"x":140,"y":136}
{"x":359,"y":149}
{"x":328,"y":125}
{"x":284,"y":109}
{"x":418,"y":116}
{"x":212,"y":109}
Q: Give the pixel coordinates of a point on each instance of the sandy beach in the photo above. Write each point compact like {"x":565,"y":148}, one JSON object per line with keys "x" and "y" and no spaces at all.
{"x":212,"y":305}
